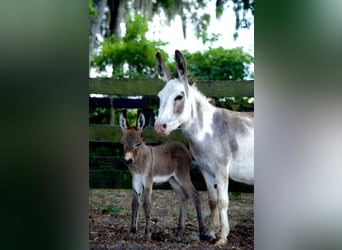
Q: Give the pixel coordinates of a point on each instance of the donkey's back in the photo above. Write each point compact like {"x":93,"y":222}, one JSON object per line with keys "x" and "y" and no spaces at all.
{"x":171,"y":158}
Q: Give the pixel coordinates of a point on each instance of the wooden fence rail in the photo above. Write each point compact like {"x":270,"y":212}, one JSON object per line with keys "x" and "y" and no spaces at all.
{"x":110,"y":133}
{"x":151,"y":87}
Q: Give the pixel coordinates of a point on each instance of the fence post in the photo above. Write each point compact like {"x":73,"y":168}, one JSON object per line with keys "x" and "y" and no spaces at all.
{"x":112,"y":112}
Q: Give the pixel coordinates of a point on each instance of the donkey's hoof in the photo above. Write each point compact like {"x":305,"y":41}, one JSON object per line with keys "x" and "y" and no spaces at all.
{"x":175,"y":238}
{"x":206,"y":237}
{"x":221,"y":242}
{"x":130,"y":236}
{"x":148,"y":237}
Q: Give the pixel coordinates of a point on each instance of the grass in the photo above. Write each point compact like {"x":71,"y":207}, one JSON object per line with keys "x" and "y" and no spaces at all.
{"x":113,"y":209}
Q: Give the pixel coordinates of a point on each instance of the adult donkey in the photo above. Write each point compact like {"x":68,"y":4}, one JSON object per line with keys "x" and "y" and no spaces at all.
{"x":221,"y":141}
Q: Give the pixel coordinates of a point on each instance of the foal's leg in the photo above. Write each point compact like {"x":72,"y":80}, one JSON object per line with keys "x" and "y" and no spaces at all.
{"x":182,"y":205}
{"x":212,"y":200}
{"x":147,"y":208}
{"x":135,"y":209}
{"x":136,"y":194}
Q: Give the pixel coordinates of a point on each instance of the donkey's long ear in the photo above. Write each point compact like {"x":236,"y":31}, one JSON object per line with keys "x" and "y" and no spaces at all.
{"x":140,"y":120}
{"x":180,"y":65}
{"x":181,"y":70}
{"x":123,"y":120}
{"x":163,"y":71}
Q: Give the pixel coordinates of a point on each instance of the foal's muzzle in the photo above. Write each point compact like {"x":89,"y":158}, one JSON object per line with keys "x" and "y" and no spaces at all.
{"x":128,"y":157}
{"x":129,"y":162}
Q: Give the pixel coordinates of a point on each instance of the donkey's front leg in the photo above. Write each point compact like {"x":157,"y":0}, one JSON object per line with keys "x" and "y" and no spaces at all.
{"x":147,"y":210}
{"x":223,"y":203}
{"x":136,"y":195}
{"x":135,"y":209}
{"x":212,"y":200}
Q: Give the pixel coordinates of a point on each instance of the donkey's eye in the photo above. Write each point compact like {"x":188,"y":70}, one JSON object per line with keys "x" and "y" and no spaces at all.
{"x":178,"y":97}
{"x":137,"y":145}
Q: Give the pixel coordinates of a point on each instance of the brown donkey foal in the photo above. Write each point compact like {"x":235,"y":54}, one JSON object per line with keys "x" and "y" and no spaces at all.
{"x":170,"y":161}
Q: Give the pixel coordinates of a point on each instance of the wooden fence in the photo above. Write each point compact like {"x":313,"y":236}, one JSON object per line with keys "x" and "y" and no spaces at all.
{"x":109,"y":170}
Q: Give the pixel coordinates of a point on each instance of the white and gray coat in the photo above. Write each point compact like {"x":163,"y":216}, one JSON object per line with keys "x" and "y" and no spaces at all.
{"x":220,"y":140}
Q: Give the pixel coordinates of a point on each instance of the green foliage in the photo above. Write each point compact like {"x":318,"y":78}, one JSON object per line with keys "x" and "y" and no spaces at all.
{"x":92,"y":11}
{"x":133,"y":56}
{"x":222,"y":64}
{"x":201,"y":25}
{"x":219,"y":64}
{"x":209,"y":38}
{"x":99,"y":115}
{"x":132,"y":117}
{"x":100,"y":151}
{"x":238,"y":103}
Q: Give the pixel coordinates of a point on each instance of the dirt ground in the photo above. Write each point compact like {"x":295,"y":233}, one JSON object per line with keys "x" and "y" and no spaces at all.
{"x":110,"y":217}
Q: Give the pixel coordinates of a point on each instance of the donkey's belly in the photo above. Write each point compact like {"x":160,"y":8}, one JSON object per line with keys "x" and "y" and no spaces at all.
{"x":161,"y":179}
{"x":242,"y":173}
{"x":241,"y":168}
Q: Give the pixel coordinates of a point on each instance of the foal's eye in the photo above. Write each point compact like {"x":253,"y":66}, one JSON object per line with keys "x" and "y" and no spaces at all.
{"x":137,"y":145}
{"x":178,"y":97}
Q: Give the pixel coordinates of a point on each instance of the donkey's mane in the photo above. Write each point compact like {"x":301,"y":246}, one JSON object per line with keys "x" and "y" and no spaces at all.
{"x":192,"y":81}
{"x":197,"y":94}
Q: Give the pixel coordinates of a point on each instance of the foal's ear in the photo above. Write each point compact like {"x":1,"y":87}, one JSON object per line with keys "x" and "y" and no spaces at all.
{"x":180,"y":65}
{"x":140,"y":120}
{"x":123,"y":120}
{"x":163,"y":71}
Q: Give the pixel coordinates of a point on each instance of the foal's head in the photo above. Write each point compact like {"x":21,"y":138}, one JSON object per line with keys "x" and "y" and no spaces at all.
{"x":174,"y":109}
{"x":132,"y":136}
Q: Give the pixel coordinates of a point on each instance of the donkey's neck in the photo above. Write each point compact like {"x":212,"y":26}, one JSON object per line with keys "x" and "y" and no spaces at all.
{"x":144,"y":154}
{"x":200,"y":119}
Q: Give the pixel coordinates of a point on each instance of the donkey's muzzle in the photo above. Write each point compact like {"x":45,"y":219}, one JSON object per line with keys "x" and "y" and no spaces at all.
{"x":129,"y":161}
{"x":161,"y":128}
{"x":128,"y":157}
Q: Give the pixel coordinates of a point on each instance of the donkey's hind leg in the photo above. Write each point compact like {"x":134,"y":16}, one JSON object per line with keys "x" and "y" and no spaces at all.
{"x":182,"y":205}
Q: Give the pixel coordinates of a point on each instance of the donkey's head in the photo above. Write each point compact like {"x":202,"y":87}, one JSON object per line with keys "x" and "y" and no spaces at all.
{"x":132,"y":136}
{"x":174,"y":109}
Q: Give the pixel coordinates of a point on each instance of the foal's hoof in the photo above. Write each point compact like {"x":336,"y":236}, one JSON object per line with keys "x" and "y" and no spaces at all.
{"x":221,"y":242}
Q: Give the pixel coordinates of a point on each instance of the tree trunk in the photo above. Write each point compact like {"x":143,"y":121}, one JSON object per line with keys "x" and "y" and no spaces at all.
{"x":115,"y":8}
{"x":95,"y":24}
